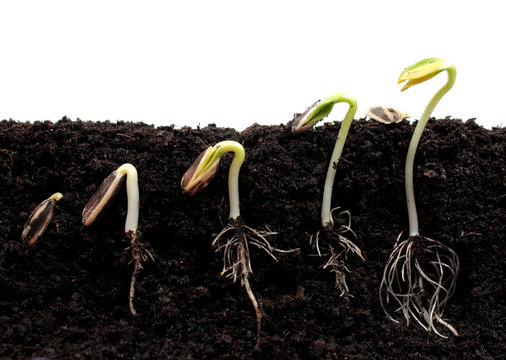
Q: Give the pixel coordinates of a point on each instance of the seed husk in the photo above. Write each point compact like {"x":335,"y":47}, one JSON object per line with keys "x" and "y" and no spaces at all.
{"x":194,"y":180}
{"x":387,"y":115}
{"x":99,"y":202}
{"x":299,"y":123}
{"x":39,"y":220}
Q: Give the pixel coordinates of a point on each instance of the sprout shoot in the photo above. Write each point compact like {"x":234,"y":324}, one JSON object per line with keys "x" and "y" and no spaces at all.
{"x":39,"y":219}
{"x":99,"y":203}
{"x":421,"y":273}
{"x":236,"y":238}
{"x":304,"y":122}
{"x":203,"y":169}
{"x":387,"y":115}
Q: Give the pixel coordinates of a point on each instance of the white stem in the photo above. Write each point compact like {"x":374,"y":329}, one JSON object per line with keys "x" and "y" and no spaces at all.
{"x":132,"y":188}
{"x":233,"y":174}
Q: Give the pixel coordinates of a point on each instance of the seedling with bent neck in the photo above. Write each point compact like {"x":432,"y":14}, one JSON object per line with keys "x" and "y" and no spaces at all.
{"x":304,"y":122}
{"x":99,"y":203}
{"x":236,"y":238}
{"x":421,"y":273}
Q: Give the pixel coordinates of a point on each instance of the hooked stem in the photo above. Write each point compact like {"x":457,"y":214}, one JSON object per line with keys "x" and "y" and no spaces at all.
{"x":336,"y":154}
{"x":233,"y":173}
{"x":132,"y":189}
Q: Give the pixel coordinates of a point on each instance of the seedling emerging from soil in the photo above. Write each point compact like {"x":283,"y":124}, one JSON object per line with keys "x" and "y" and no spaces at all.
{"x":387,"y":115}
{"x":304,"y":122}
{"x":421,"y":273}
{"x":99,"y":203}
{"x":236,"y":238}
{"x":39,"y":219}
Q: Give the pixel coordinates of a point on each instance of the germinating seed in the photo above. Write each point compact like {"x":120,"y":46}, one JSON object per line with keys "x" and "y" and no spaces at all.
{"x":39,"y":219}
{"x":99,"y":203}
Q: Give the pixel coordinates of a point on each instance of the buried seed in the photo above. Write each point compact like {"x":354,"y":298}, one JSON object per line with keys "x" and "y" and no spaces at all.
{"x":39,"y":219}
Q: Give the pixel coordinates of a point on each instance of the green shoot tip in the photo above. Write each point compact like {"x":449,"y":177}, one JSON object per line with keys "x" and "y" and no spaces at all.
{"x":422,"y":71}
{"x":205,"y":166}
{"x":319,"y":110}
{"x":56,"y":196}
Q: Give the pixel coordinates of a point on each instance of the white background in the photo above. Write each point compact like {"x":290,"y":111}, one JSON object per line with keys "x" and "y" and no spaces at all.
{"x":234,"y":63}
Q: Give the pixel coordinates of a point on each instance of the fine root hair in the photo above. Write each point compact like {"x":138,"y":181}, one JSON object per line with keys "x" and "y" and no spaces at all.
{"x":419,"y":278}
{"x":235,"y":241}
{"x":140,"y":254}
{"x":337,"y":250}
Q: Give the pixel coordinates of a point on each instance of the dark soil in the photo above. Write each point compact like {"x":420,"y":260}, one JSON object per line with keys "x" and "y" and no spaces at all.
{"x":67,"y":297}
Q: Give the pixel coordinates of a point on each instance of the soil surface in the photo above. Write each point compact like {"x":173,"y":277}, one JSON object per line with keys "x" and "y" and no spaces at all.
{"x":67,"y":296}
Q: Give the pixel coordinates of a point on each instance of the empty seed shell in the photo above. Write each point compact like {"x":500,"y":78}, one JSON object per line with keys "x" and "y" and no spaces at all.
{"x":105,"y":194}
{"x":39,"y":220}
{"x":387,"y":115}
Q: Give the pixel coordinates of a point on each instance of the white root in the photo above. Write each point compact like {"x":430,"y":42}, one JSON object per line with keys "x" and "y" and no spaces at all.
{"x":420,"y":278}
{"x":336,"y":260}
{"x":237,"y":260}
{"x":139,"y":255}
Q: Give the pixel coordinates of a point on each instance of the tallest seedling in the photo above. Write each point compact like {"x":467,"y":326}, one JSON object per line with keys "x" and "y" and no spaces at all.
{"x":413,"y":75}
{"x":421,"y":273}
